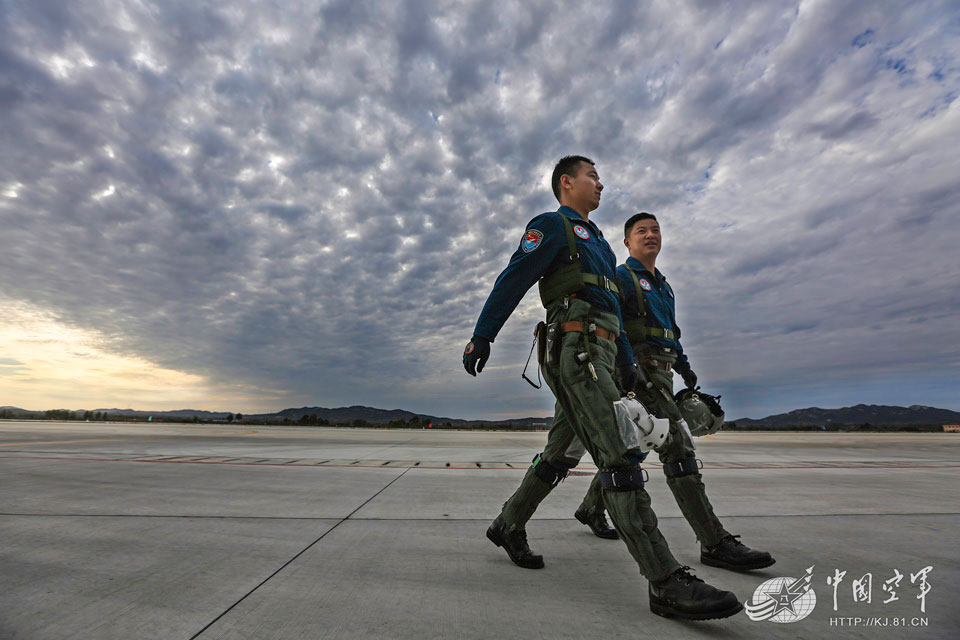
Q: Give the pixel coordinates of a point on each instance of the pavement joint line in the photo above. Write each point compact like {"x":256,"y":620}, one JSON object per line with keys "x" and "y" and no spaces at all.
{"x":375,"y":519}
{"x":302,"y":551}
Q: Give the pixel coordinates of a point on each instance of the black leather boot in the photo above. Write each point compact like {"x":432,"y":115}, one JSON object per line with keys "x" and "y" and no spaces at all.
{"x":730,"y":553}
{"x":598,"y":524}
{"x":684,"y":595}
{"x":515,"y":544}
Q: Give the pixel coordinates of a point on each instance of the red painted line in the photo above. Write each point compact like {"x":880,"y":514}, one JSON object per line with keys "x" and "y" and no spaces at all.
{"x":469,"y":468}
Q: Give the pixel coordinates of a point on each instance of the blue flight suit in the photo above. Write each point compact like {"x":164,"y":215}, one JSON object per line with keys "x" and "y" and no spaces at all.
{"x":584,"y":417}
{"x":659,"y":304}
{"x":540,"y":254}
{"x":678,"y":455}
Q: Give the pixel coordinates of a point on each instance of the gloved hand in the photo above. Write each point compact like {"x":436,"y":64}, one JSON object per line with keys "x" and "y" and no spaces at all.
{"x":628,"y":377}
{"x":475,"y":355}
{"x":689,"y":378}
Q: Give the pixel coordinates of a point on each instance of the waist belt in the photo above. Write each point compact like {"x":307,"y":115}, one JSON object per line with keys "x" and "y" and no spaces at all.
{"x":660,"y":333}
{"x":581,"y":327}
{"x":656,"y":363}
{"x":601,"y":281}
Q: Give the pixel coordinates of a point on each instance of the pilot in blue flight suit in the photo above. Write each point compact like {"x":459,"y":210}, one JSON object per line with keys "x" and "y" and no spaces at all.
{"x":649,"y":313}
{"x":575,"y":267}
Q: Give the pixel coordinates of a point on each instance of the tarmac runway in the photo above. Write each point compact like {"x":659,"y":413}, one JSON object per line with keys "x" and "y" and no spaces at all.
{"x":196,"y":531}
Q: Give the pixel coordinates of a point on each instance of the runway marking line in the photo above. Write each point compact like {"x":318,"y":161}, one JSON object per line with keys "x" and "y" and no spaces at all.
{"x":157,"y":437}
{"x":447,"y":466}
{"x":27,"y":444}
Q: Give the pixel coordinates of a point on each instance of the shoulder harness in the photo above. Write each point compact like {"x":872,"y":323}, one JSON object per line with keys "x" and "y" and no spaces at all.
{"x":636,"y":328}
{"x":571,"y":278}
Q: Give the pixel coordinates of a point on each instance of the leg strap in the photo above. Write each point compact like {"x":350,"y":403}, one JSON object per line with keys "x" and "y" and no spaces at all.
{"x":549,"y":473}
{"x":622,"y":479}
{"x":685,"y":467}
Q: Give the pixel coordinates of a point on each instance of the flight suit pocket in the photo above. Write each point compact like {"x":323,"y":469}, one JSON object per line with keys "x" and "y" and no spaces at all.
{"x":572,"y":370}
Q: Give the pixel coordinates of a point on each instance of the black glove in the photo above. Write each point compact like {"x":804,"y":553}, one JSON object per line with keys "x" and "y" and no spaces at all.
{"x":689,"y":378}
{"x":628,"y":377}
{"x":475,"y":355}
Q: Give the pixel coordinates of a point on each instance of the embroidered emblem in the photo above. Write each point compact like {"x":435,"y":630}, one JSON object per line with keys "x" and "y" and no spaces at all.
{"x":469,"y":348}
{"x":645,"y":285}
{"x":531,"y":240}
{"x":581,"y":232}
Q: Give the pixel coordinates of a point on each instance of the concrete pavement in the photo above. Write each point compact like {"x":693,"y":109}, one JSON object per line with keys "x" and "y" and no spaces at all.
{"x":184,"y":531}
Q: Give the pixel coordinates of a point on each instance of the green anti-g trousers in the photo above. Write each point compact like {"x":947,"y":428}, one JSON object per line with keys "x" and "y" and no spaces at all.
{"x":584,"y":411}
{"x":688,"y":490}
{"x":565,"y":450}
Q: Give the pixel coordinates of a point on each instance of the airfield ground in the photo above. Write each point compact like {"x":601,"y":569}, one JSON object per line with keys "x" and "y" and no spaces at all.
{"x":182,"y":531}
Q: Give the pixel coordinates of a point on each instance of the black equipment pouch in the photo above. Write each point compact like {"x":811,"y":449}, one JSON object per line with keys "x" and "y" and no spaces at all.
{"x":552,"y":344}
{"x":540,"y":336}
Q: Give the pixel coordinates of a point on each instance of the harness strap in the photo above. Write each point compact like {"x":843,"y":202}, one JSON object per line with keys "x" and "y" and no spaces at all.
{"x":547,"y":472}
{"x":641,"y":307}
{"x":660,"y":333}
{"x":601,"y":281}
{"x":656,"y":332}
{"x":584,"y":327}
{"x":622,"y":479}
{"x":590,"y":278}
{"x":685,"y":467}
{"x":571,"y":241}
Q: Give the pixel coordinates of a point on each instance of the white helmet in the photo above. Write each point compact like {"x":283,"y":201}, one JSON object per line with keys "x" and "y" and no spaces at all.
{"x":638,"y":428}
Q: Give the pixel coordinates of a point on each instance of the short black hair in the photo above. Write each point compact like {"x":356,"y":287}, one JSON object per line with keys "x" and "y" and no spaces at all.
{"x":568,"y":165}
{"x":634,"y":219}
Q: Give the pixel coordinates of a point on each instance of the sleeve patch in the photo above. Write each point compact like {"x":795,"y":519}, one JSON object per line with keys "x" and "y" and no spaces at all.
{"x":531,"y":240}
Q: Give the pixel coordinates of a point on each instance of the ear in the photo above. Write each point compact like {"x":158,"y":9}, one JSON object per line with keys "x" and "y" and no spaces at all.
{"x":565,"y":181}
{"x":626,"y":243}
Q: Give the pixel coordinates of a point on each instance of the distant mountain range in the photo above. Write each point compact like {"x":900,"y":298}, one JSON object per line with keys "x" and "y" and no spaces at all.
{"x":873,"y":414}
{"x":346,"y":415}
{"x":180,"y":413}
{"x":814,"y":416}
{"x":340,"y":415}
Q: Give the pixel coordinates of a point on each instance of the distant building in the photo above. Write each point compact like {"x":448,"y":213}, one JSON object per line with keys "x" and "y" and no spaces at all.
{"x":951,"y":427}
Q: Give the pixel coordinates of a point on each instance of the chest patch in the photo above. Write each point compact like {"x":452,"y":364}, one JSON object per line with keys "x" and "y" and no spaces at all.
{"x":581,"y":232}
{"x":531,"y":240}
{"x":645,"y":285}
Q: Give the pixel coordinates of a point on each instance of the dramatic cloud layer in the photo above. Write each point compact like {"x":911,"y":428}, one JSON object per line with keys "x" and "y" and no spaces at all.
{"x":310,"y":201}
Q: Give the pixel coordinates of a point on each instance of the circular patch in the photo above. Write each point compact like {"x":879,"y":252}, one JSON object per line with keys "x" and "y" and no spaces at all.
{"x":469,"y":348}
{"x":531,"y":240}
{"x":645,"y":285}
{"x":581,"y":232}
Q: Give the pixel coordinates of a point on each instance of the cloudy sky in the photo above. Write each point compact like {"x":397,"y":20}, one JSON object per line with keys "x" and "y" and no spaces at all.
{"x":250,"y":206}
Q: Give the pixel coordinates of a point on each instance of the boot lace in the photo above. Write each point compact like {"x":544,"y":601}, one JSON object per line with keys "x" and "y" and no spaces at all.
{"x":520,"y":538}
{"x":684,"y":574}
{"x":735,"y":539}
